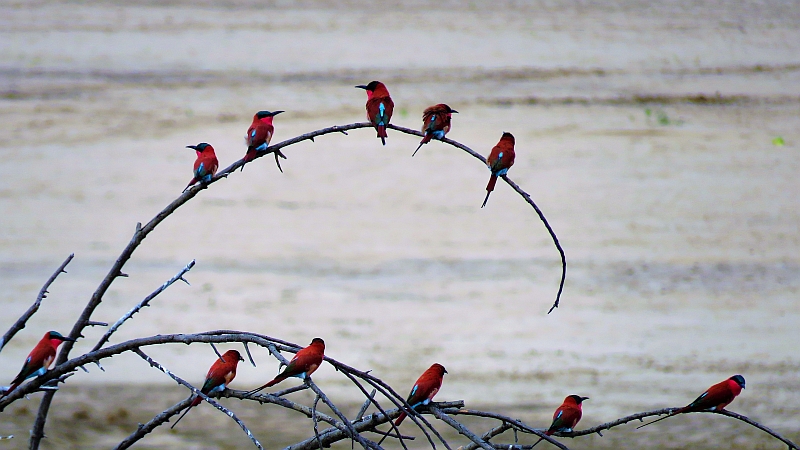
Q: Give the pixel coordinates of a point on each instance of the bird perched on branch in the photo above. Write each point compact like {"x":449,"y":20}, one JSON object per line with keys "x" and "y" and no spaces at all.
{"x":40,"y":358}
{"x":566,"y":416}
{"x":206,"y":164}
{"x":435,"y":123}
{"x":219,"y":376}
{"x":716,"y":398}
{"x":499,"y":161}
{"x":258,"y":136}
{"x":379,"y":107}
{"x":304,"y":363}
{"x":427,"y":385}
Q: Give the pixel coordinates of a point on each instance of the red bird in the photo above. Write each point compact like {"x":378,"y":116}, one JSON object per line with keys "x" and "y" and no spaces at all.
{"x":716,"y":398}
{"x":304,"y":363}
{"x":427,"y":385}
{"x":499,"y":161}
{"x":40,"y":358}
{"x":435,"y":123}
{"x":206,"y":164}
{"x":258,"y":136}
{"x":566,"y":416}
{"x":379,"y":107}
{"x":219,"y":376}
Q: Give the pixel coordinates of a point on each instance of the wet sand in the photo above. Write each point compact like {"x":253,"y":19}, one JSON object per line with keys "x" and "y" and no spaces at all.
{"x":680,"y":226}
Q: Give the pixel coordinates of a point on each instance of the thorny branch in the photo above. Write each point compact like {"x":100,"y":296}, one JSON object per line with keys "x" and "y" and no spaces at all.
{"x":20,"y":323}
{"x":144,"y":303}
{"x":197,"y":392}
{"x":519,"y":190}
{"x":341,"y":430}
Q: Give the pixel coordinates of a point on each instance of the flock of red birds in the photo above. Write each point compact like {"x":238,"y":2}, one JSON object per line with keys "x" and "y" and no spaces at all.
{"x":436,"y":124}
{"x":307,"y":360}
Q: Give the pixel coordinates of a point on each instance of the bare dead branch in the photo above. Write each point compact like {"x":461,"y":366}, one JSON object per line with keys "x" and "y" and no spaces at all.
{"x":366,"y":443}
{"x":460,"y":428}
{"x":519,"y":191}
{"x":197,"y":392}
{"x":516,"y":424}
{"x":154,"y":423}
{"x":496,"y":431}
{"x":142,"y":304}
{"x":20,"y":323}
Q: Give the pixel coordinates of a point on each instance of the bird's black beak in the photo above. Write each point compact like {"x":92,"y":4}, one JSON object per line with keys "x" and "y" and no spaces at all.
{"x":193,"y":147}
{"x":276,"y":113}
{"x":584,"y":399}
{"x":240,"y":358}
{"x":453,"y":111}
{"x":362,"y":86}
{"x":445,"y":371}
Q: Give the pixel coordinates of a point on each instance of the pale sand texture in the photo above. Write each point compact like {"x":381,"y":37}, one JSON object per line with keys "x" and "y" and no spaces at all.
{"x":681,"y":238}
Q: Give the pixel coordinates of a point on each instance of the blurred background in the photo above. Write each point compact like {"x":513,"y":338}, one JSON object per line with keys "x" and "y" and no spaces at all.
{"x":660,"y":139}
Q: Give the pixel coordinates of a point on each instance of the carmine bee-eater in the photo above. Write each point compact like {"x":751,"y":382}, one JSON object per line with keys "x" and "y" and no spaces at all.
{"x":499,"y":161}
{"x":435,"y":123}
{"x":716,"y":398}
{"x":427,"y":385}
{"x":206,"y":164}
{"x":304,"y":363}
{"x":379,"y":107}
{"x":258,"y":136}
{"x":40,"y":358}
{"x":219,"y":376}
{"x":566,"y":416}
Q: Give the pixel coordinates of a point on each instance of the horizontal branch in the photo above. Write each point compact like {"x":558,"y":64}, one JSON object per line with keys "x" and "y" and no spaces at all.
{"x":658,"y":412}
{"x":20,"y":323}
{"x":517,"y":424}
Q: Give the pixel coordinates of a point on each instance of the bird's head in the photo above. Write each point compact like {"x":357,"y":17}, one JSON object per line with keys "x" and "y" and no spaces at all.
{"x":318,"y":342}
{"x":56,"y":338}
{"x":576,"y":398}
{"x":374,"y":87}
{"x":449,"y":109}
{"x":507,"y":137}
{"x":738,"y":379}
{"x":232,"y":355}
{"x":201,"y":147}
{"x":440,"y":368}
{"x":264,"y":114}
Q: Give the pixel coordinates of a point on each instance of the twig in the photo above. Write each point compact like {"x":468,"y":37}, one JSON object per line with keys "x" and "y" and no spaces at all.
{"x":517,"y":424}
{"x":20,"y":323}
{"x":217,"y":352}
{"x":353,"y":433}
{"x":366,"y":404}
{"x":247,"y":350}
{"x":201,"y":395}
{"x":314,"y":419}
{"x":460,"y":428}
{"x":761,"y":427}
{"x":144,"y":303}
{"x":519,"y":190}
{"x":496,"y":431}
{"x":371,"y":399}
{"x":143,"y":429}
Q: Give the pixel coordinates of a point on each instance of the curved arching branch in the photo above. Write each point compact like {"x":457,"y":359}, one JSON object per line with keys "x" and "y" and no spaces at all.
{"x":658,"y":412}
{"x":519,"y":191}
{"x":23,"y":319}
